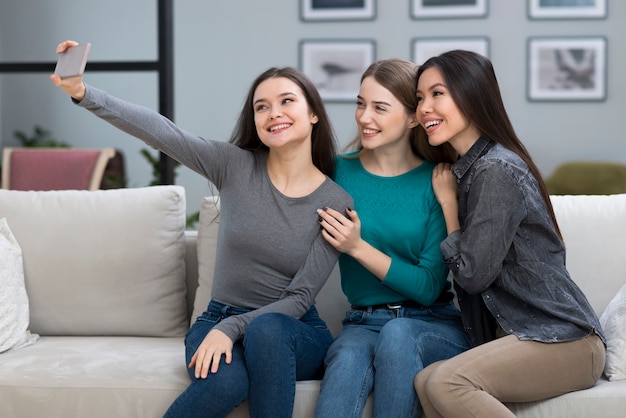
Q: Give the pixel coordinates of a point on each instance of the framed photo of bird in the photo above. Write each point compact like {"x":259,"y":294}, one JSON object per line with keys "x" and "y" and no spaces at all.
{"x":567,"y":68}
{"x":335,"y":66}
{"x":567,"y":9}
{"x":319,"y":10}
{"x":424,"y":48}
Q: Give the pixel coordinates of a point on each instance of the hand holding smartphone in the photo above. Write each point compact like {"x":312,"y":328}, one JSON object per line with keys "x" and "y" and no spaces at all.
{"x":72,"y":62}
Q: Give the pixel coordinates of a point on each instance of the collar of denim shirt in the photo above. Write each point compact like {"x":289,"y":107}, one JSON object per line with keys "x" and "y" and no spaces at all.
{"x":480,"y":148}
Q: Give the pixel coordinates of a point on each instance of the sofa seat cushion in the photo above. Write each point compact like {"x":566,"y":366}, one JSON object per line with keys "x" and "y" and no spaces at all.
{"x":606,"y":399}
{"x":92,"y":377}
{"x":307,"y":393}
{"x":106,"y":262}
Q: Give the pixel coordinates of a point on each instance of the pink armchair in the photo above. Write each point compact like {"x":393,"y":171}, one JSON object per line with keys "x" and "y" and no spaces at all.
{"x":54,"y":168}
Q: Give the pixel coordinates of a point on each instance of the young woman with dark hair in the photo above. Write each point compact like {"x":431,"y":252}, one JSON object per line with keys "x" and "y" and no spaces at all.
{"x":533,"y":332}
{"x":261,"y":331}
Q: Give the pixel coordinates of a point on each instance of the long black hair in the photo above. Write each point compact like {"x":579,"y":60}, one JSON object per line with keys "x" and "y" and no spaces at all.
{"x":473,"y":85}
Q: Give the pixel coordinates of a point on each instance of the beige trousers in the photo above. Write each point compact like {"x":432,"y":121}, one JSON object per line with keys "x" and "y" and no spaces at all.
{"x":477,"y":382}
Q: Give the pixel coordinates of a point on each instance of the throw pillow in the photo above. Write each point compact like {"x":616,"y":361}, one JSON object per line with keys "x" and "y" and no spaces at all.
{"x":103,"y":262}
{"x":613,"y":322}
{"x":14,"y":313}
{"x":207,"y":243}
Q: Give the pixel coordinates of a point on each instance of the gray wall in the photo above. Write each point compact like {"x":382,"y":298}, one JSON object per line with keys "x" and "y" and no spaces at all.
{"x":220,"y":47}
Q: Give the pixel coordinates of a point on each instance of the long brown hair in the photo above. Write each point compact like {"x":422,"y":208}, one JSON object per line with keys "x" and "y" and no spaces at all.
{"x":473,"y":85}
{"x":400,"y":78}
{"x":323,"y":141}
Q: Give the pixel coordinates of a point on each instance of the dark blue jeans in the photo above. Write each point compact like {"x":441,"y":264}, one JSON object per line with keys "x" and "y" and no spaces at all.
{"x":276,"y":351}
{"x":381,"y":351}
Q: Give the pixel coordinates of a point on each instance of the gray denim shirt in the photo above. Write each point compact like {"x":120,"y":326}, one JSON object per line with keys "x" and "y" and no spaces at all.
{"x":509,"y":253}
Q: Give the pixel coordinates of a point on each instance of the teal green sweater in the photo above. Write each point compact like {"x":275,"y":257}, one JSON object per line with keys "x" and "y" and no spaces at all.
{"x":401,"y":217}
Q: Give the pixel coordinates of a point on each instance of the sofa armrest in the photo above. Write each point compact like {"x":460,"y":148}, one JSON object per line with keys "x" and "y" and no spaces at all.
{"x":191,"y":268}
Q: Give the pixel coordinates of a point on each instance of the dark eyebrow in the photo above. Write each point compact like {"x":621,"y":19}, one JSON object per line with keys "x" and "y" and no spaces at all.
{"x":378,"y":102}
{"x":433,"y":87}
{"x":287,"y":93}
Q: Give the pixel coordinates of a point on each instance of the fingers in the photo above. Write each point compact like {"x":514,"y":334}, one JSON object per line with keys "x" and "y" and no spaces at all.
{"x":203,"y":361}
{"x":341,"y":231}
{"x":63,"y":46}
{"x":56,"y":80}
{"x":215,"y":364}
{"x":352,"y":215}
{"x":441,"y":168}
{"x":334,"y":218}
{"x":208,"y":356}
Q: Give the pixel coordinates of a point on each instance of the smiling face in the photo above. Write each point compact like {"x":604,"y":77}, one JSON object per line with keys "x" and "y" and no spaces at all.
{"x":281,"y":113}
{"x":439,"y":115}
{"x":382,"y":119}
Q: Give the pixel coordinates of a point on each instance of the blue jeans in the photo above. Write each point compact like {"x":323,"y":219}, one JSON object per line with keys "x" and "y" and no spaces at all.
{"x":382,"y":350}
{"x":276,"y":351}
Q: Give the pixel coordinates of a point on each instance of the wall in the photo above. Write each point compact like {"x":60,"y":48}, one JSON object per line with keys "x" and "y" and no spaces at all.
{"x":220,"y":47}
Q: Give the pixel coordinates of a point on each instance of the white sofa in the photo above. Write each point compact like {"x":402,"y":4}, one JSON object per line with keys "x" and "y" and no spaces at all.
{"x":112,"y":284}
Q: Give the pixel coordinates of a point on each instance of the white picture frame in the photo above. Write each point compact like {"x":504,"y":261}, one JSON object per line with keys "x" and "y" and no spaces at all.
{"x":336,"y":66}
{"x":444,"y":9}
{"x":567,"y":68}
{"x":567,"y":9}
{"x":337,"y":10}
{"x":424,"y":48}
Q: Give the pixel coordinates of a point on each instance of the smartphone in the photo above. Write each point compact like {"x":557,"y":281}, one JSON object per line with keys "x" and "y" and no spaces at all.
{"x":72,"y":62}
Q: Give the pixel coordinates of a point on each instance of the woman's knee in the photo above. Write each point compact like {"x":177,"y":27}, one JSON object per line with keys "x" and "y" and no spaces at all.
{"x":422,"y":379}
{"x":398,"y":330}
{"x":267,"y":326}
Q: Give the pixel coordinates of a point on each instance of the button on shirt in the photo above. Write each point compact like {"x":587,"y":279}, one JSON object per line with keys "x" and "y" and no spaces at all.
{"x":509,"y":253}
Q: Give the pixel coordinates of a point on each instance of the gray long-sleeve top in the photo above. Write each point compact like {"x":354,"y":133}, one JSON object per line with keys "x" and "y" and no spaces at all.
{"x":271,"y":256}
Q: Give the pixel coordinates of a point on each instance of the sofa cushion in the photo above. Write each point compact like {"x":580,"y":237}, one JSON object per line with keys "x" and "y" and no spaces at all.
{"x":93,"y":377}
{"x":593,"y":230}
{"x":613,"y":322}
{"x":14,"y":314}
{"x":106,"y":262}
{"x":208,"y":225}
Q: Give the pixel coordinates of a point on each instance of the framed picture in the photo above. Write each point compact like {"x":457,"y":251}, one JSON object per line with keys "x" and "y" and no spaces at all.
{"x":428,"y":9}
{"x":424,"y":48}
{"x":572,"y":69}
{"x":316,"y":10}
{"x":336,"y":66}
{"x":567,"y":9}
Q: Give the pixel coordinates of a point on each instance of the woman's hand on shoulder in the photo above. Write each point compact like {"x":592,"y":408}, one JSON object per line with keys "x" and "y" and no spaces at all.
{"x":342,"y":231}
{"x":445,"y":188}
{"x":210,"y":352}
{"x":444,"y":184}
{"x":73,"y":86}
